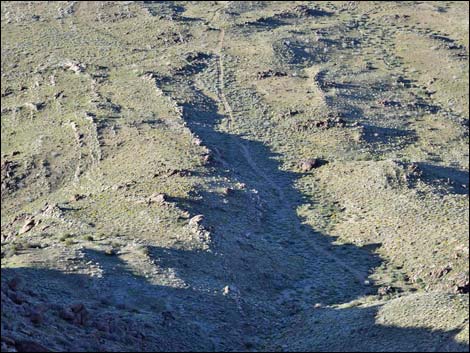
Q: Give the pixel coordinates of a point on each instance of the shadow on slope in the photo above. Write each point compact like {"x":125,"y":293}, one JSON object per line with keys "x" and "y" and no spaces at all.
{"x":191,"y":320}
{"x":279,"y":266}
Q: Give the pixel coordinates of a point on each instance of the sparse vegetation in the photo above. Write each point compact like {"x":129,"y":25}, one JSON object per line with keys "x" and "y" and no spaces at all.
{"x":223,"y":176}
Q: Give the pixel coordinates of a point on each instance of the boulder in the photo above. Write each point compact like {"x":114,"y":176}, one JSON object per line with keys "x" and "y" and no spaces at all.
{"x":309,"y":164}
{"x":157,"y":198}
{"x":30,"y":346}
{"x":30,"y":223}
{"x":196,"y":220}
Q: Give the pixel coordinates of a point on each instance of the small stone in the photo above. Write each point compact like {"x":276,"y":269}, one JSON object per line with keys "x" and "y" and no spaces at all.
{"x":35,"y":107}
{"x":66,"y":314}
{"x":102,"y":326}
{"x":51,"y":210}
{"x":76,"y":308}
{"x":226,"y":290}
{"x":81,"y":317}
{"x":77,"y":197}
{"x":8,"y":340}
{"x":16,"y":297}
{"x":196,"y":220}
{"x":111,"y":252}
{"x":227,"y":191}
{"x":385,"y":290}
{"x":75,"y":67}
{"x":167,"y":317}
{"x":441,"y":272}
{"x":14,"y":283}
{"x":270,"y":73}
{"x":463,"y":287}
{"x":36,"y":317}
{"x":207,"y":158}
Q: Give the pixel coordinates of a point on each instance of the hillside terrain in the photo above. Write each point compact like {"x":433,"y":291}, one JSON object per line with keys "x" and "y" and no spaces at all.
{"x":234,"y":176}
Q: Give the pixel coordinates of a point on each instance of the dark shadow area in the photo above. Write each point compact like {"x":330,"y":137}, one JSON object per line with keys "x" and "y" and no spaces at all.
{"x":168,"y":9}
{"x":195,"y":63}
{"x":162,"y":318}
{"x":163,"y":7}
{"x":263,"y":23}
{"x":121,"y":311}
{"x":270,"y":217}
{"x":452,"y":179}
{"x":387,"y":136}
{"x":360,"y":333}
{"x":378,"y":107}
{"x":442,"y":38}
{"x":294,"y":52}
{"x":422,"y":106}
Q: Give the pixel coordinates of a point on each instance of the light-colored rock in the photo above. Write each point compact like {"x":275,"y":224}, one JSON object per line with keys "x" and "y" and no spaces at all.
{"x":196,"y":220}
{"x":30,"y":223}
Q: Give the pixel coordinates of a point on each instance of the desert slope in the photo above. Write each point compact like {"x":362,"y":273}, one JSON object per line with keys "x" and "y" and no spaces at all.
{"x":234,"y":176}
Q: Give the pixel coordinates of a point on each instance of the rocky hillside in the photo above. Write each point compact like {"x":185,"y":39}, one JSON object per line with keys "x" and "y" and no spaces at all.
{"x":234,"y":176}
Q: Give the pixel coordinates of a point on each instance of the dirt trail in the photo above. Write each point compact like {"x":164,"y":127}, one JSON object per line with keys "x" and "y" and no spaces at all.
{"x":221,"y":83}
{"x":284,"y":205}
